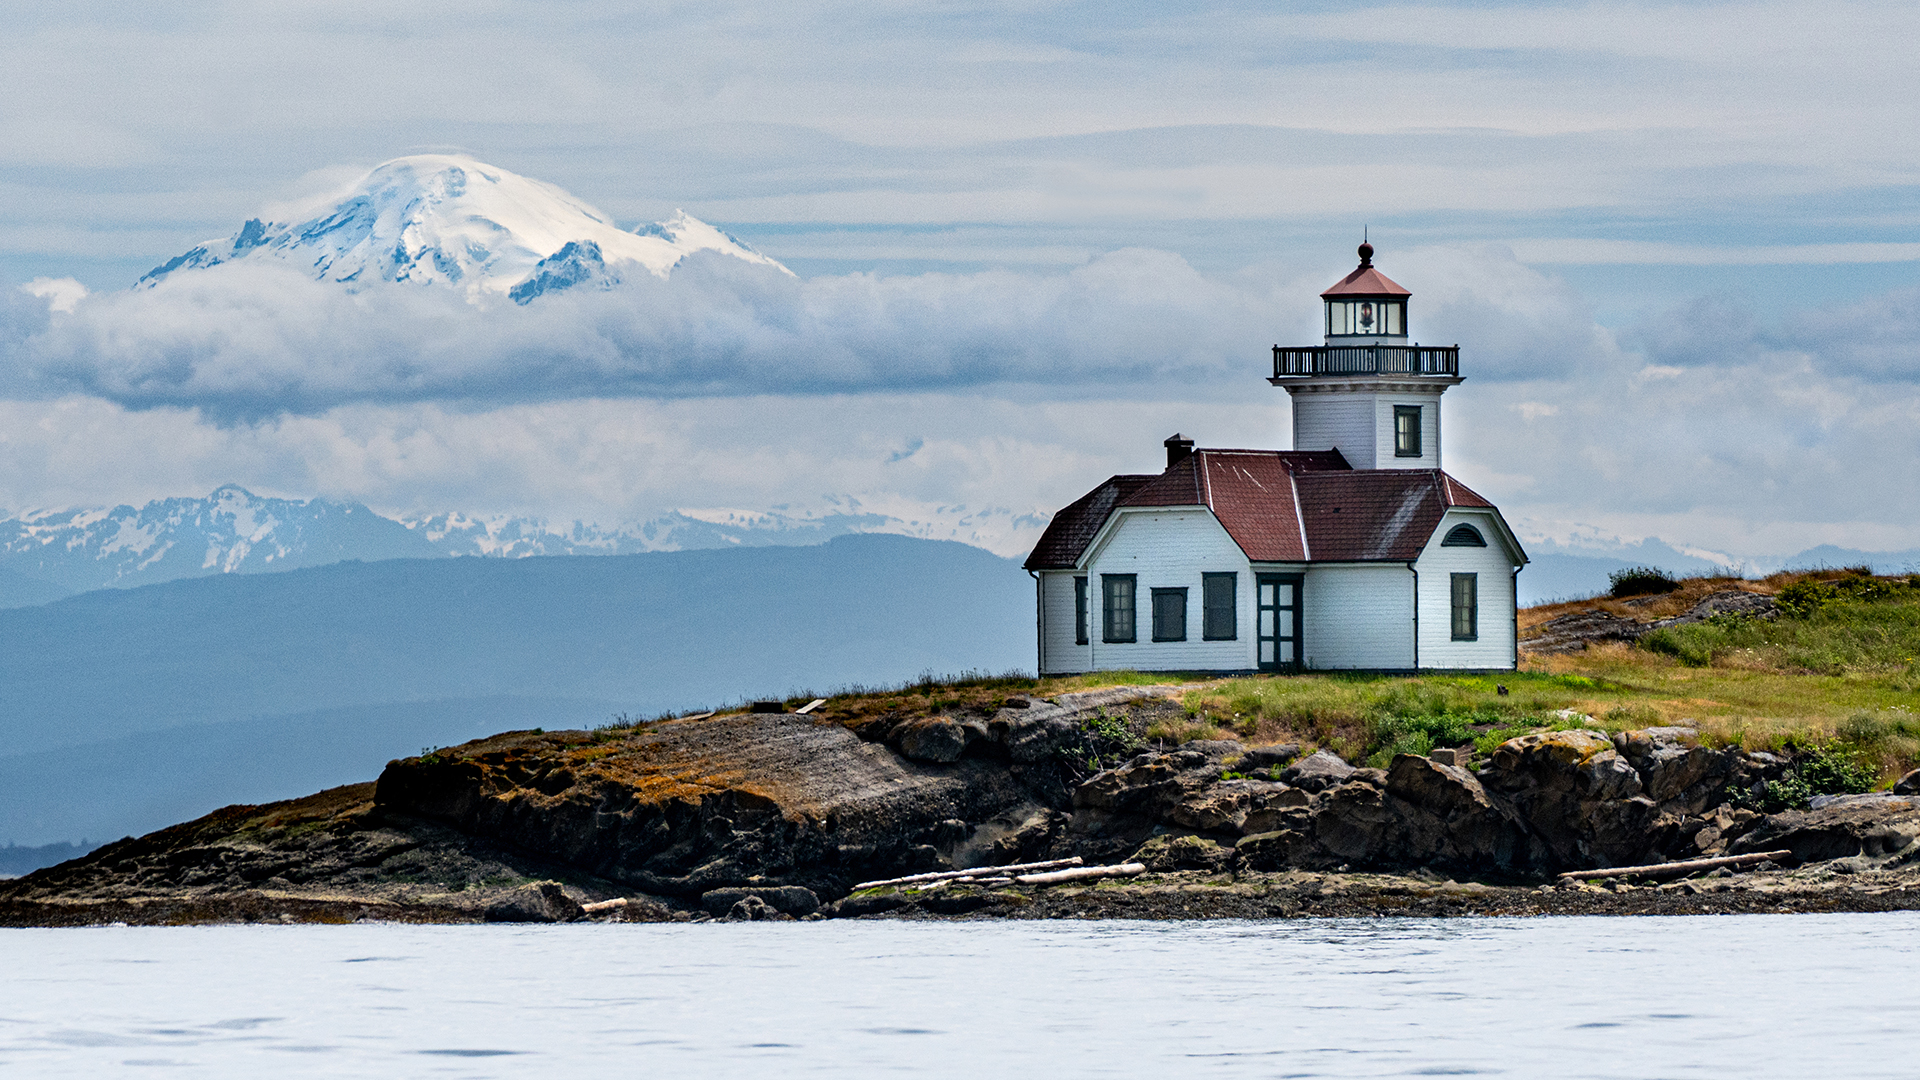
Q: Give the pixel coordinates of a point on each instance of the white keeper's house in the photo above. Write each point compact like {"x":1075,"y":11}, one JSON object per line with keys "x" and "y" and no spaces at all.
{"x":1353,"y":550}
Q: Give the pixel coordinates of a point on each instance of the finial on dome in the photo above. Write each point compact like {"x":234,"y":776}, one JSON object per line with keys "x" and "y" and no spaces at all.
{"x":1366,"y":249}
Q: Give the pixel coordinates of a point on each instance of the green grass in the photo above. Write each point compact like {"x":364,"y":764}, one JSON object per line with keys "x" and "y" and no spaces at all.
{"x":1840,"y":636}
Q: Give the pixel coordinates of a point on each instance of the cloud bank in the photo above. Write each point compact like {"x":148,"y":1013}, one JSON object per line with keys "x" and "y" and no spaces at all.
{"x":970,"y":404}
{"x":243,"y":343}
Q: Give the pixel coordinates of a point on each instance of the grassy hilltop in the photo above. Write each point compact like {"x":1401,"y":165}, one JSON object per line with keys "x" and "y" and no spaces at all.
{"x":1833,"y":678}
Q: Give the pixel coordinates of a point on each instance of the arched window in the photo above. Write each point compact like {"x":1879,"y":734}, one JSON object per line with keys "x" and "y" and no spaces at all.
{"x":1464,"y":536}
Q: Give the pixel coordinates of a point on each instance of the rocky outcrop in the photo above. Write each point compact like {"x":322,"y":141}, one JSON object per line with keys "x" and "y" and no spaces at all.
{"x":757,"y":816}
{"x":1576,"y":630}
{"x":763,"y":801}
{"x":1545,"y":802}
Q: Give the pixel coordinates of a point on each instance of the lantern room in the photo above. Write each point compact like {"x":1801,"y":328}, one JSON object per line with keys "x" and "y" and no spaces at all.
{"x":1366,"y":307}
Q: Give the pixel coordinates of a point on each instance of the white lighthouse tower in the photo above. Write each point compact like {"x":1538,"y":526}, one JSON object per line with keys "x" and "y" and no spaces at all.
{"x":1368,"y":393}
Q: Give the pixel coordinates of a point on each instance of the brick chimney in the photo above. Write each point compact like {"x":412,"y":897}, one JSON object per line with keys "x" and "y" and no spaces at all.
{"x":1178,"y":449}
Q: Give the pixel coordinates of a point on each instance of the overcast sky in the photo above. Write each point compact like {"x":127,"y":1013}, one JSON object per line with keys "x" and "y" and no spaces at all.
{"x":1678,"y":244}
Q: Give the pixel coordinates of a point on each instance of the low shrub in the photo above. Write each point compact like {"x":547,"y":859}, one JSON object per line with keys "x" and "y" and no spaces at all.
{"x":1640,"y":581}
{"x":1808,"y":595}
{"x":1831,"y":768}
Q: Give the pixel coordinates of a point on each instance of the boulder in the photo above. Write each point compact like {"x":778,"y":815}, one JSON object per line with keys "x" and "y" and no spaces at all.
{"x":1278,"y":850}
{"x":1481,"y":831}
{"x":1221,"y":750}
{"x":1281,"y":809}
{"x":535,"y":902}
{"x":1224,"y":806}
{"x":792,"y":899}
{"x":754,"y":909}
{"x":1167,"y":853}
{"x":1318,"y":771}
{"x":1844,"y":828}
{"x":1265,"y":756}
{"x":1567,"y":787}
{"x":1908,"y":784}
{"x":1363,"y":824}
{"x":934,"y":738}
{"x":1038,"y":736}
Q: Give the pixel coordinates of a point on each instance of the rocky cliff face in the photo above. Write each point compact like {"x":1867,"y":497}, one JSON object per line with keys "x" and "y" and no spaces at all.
{"x":791,"y":811}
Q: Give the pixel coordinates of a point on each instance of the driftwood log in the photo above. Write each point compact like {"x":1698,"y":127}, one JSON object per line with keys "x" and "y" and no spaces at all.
{"x":604,"y":905}
{"x":1667,"y":869}
{"x":1082,"y":873}
{"x":978,"y":871}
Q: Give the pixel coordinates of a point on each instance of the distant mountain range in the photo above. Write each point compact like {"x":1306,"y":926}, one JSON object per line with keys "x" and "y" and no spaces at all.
{"x":50,"y":554}
{"x":129,"y":709}
{"x":451,"y":221}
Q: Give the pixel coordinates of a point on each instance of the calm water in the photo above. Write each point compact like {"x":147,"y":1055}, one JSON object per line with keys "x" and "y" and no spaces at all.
{"x":1749,"y":996}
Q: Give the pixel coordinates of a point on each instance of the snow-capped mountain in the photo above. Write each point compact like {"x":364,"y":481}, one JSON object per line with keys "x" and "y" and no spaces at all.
{"x":45,"y":555}
{"x":440,"y":219}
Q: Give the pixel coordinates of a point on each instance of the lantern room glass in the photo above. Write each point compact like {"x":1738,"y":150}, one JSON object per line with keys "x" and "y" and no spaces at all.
{"x":1366,"y":318}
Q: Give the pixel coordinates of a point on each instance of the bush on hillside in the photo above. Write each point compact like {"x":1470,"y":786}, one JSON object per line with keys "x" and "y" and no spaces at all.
{"x":1808,"y":595}
{"x":1831,"y":769}
{"x":1640,"y":581}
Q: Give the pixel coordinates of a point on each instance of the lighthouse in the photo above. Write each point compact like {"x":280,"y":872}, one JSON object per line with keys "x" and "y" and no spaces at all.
{"x":1367,"y":392}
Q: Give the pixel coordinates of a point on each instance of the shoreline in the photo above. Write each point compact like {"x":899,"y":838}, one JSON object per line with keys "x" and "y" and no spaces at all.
{"x":1841,"y":885}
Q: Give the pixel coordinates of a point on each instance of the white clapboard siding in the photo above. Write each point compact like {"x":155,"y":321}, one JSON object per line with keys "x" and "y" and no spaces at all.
{"x":1358,"y":617}
{"x":1059,"y":653}
{"x":1493,"y":566}
{"x":1168,"y":549}
{"x":1337,"y":421}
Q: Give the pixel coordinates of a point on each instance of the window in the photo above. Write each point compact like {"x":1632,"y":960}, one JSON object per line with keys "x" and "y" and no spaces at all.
{"x":1466,"y":607}
{"x":1366,"y":318}
{"x":1079,"y":611}
{"x":1464,"y":536}
{"x":1218,"y":594}
{"x":1169,"y":614}
{"x":1406,"y":431}
{"x":1116,"y":611}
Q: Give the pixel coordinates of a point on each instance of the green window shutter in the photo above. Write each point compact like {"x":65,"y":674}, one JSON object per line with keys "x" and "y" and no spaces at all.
{"x":1079,"y":611}
{"x":1219,"y":594}
{"x":1466,"y":607}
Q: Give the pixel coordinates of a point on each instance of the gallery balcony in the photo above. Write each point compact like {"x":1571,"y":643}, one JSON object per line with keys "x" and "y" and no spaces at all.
{"x":1365,"y":360}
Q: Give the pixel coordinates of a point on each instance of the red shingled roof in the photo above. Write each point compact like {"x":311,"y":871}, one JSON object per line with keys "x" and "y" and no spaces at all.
{"x":1278,"y":505}
{"x":1365,"y":281}
{"x":1072,"y":529}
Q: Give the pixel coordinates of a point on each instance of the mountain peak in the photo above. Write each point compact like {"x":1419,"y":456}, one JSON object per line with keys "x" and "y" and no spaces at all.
{"x":449,"y":220}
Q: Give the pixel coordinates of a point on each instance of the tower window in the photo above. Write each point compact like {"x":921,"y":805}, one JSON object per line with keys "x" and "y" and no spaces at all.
{"x":1116,"y":612}
{"x":1366,"y":318}
{"x":1406,"y":431}
{"x":1466,"y":607}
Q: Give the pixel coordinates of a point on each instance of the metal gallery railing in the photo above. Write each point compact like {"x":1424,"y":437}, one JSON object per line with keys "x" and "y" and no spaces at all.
{"x":1366,"y":360}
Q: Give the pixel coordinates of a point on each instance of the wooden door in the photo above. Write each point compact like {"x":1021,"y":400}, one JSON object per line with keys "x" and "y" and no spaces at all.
{"x":1277,"y":621}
